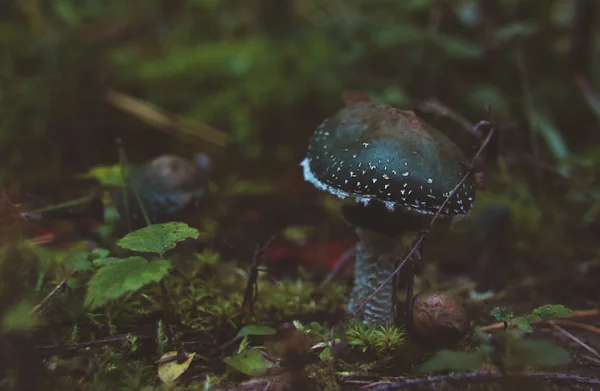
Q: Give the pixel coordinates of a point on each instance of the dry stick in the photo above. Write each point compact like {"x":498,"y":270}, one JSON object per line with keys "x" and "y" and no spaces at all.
{"x":435,"y":217}
{"x":482,"y":376}
{"x":342,"y":261}
{"x":583,"y":326}
{"x":251,"y":291}
{"x":49,"y":295}
{"x":573,"y":314}
{"x":574,"y":338}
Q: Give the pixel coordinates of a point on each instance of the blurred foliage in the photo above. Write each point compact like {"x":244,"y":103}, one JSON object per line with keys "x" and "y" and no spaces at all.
{"x":267,"y":74}
{"x":505,"y":349}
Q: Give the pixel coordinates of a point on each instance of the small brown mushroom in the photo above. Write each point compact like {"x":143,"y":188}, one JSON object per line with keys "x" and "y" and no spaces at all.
{"x":439,"y":319}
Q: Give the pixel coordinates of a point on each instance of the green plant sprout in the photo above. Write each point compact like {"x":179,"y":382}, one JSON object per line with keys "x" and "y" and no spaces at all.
{"x":508,"y":348}
{"x":523,"y":323}
{"x":118,"y":276}
{"x":249,"y":360}
{"x":381,"y":339}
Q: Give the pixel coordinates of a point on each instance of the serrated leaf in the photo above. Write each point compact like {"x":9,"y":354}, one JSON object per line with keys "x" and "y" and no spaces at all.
{"x":447,"y":360}
{"x":158,"y":238}
{"x":255,"y":330}
{"x":126,"y":275}
{"x":170,"y":371}
{"x":249,"y":362}
{"x":78,"y":262}
{"x":551,"y":311}
{"x":535,"y":353}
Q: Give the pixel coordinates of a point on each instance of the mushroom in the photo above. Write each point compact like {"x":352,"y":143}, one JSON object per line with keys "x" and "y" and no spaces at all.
{"x":166,"y":186}
{"x":399,"y":170}
{"x":439,"y":319}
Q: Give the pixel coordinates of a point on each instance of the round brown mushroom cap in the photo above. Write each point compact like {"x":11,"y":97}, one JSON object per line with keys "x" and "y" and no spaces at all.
{"x":439,"y":319}
{"x":370,"y":151}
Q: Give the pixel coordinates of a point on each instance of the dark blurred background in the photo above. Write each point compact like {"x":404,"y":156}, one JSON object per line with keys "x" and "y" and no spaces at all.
{"x":267,"y":72}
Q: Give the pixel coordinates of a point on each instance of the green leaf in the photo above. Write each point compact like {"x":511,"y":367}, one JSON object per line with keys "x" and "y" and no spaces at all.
{"x":551,"y":311}
{"x":535,"y":353}
{"x":100,"y":262}
{"x":554,"y":140}
{"x":170,"y":371}
{"x":255,"y":330}
{"x":515,"y":31}
{"x":158,"y":238}
{"x":78,"y":262}
{"x":591,"y":96}
{"x":106,"y":175}
{"x":501,"y":314}
{"x":19,"y":318}
{"x":126,"y":275}
{"x":458,"y":48}
{"x":523,"y":323}
{"x":445,"y":360}
{"x":249,"y":362}
{"x":326,"y":355}
{"x":100,"y":253}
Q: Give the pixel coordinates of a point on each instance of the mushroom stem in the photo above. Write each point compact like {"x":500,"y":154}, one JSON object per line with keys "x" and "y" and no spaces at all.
{"x":375,"y":261}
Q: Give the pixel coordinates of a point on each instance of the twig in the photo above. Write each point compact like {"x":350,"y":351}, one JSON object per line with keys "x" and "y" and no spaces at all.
{"x":591,"y":359}
{"x":339,"y":265}
{"x":418,"y":242}
{"x":574,"y":338}
{"x":481,"y":376}
{"x":52,"y":292}
{"x":63,"y":205}
{"x":95,"y":342}
{"x":573,"y":314}
{"x":251,"y":291}
{"x":578,"y":325}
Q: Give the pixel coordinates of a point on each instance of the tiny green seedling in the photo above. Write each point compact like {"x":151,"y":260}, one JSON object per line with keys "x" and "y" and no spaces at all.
{"x":118,"y":276}
{"x":507,"y":348}
{"x":249,"y":360}
{"x":523,"y":323}
{"x":382,"y":339}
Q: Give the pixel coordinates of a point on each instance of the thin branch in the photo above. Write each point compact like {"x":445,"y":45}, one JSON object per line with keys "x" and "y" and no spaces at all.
{"x":52,"y":350}
{"x":573,"y":314}
{"x":251,"y":291}
{"x":52,"y":292}
{"x":342,"y":261}
{"x":433,"y":220}
{"x":578,"y":325}
{"x":574,"y":338}
{"x":481,"y":376}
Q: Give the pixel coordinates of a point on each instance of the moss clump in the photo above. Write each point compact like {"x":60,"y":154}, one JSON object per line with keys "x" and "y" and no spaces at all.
{"x":215,"y":291}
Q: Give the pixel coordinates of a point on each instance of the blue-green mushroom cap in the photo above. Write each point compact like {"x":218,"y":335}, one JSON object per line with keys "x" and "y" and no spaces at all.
{"x":370,"y":151}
